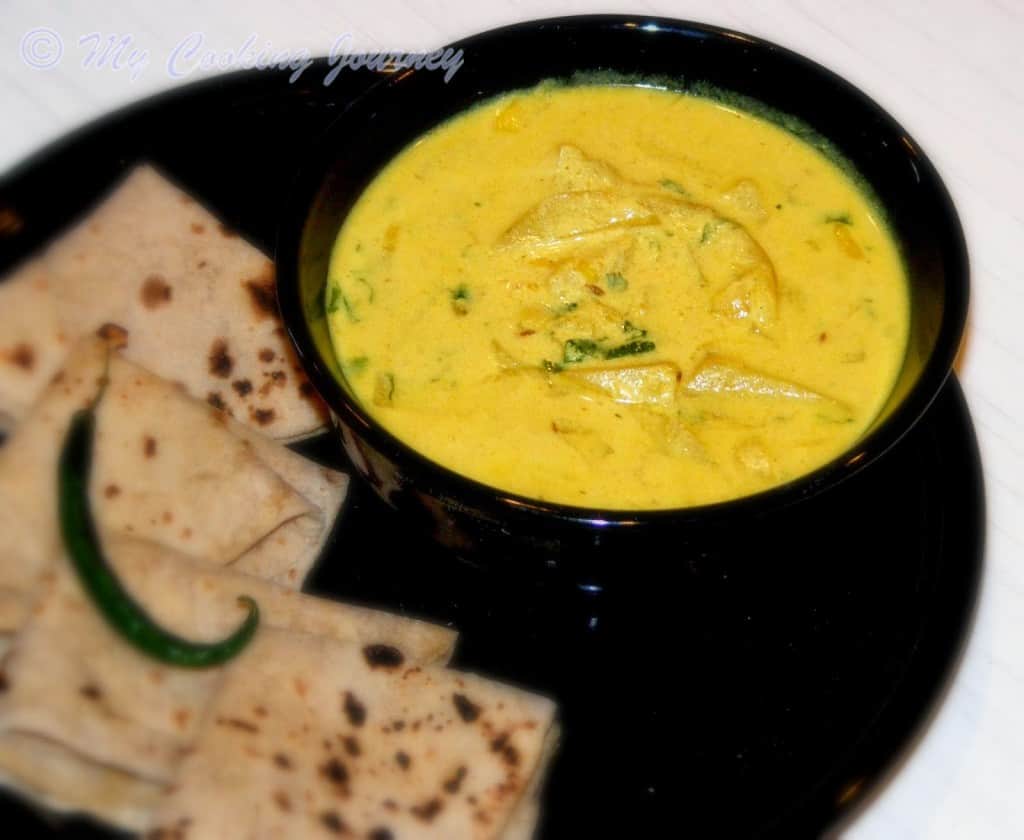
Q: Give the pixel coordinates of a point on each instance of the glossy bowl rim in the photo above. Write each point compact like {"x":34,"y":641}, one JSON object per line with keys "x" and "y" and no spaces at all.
{"x":441,"y":481}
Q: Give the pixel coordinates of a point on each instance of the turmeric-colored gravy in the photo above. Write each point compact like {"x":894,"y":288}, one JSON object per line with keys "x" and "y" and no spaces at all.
{"x":618,"y":297}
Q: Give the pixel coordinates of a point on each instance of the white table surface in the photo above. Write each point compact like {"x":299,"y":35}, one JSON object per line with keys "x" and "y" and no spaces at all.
{"x":950,"y":72}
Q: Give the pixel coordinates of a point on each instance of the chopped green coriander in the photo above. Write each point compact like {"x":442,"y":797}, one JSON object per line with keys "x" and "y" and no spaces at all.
{"x":336,"y":299}
{"x":460,"y":299}
{"x":384,"y":389}
{"x":369,"y":288}
{"x":333,"y":299}
{"x":579,"y":349}
{"x":633,"y":331}
{"x":707,"y":233}
{"x":616,"y":282}
{"x":675,"y":186}
{"x":631,"y":348}
{"x":356,"y":365}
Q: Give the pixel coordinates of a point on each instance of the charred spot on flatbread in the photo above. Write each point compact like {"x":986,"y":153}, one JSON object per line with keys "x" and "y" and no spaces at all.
{"x":262,"y":416}
{"x":243,"y":387}
{"x":508,"y":753}
{"x":263,"y":294}
{"x":333,"y":822}
{"x":217,"y":401}
{"x":267,"y":355}
{"x":221,"y":363}
{"x":383,"y":656}
{"x":149,"y":446}
{"x":274,"y":379}
{"x":91,"y":691}
{"x":467,"y":709}
{"x":115,"y":335}
{"x":336,"y":773}
{"x":454,"y":782}
{"x":22,"y":355}
{"x":354,"y":710}
{"x":156,"y":291}
{"x":426,"y":811}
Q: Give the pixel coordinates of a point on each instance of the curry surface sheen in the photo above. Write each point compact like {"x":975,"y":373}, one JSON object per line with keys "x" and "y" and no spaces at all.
{"x":618,"y":297}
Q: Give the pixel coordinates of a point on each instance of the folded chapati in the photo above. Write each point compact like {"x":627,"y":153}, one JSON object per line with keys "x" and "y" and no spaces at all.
{"x":166,"y":467}
{"x":287,"y":554}
{"x":307,"y":737}
{"x":82,"y":711}
{"x":198,"y":301}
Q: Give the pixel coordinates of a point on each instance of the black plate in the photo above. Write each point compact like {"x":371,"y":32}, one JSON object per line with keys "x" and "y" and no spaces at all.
{"x":757,"y":686}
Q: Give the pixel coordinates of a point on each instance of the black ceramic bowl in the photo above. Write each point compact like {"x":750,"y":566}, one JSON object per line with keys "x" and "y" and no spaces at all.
{"x":471,"y":516}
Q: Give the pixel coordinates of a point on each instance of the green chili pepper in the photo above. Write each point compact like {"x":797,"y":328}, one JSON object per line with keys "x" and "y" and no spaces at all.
{"x":117,"y":606}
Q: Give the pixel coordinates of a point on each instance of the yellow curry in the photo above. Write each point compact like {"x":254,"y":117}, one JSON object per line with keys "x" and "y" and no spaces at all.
{"x":618,"y":297}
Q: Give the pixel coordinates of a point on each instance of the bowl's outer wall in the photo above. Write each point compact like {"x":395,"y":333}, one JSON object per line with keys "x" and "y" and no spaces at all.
{"x":392,"y":114}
